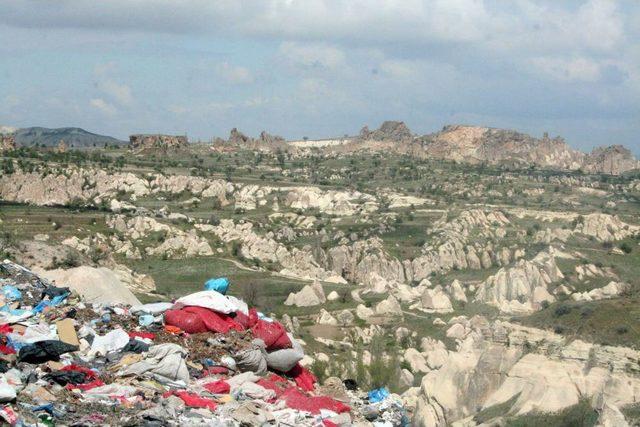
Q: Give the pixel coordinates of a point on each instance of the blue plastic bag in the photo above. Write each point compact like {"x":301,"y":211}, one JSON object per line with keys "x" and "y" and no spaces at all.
{"x":11,"y":293}
{"x":220,"y":284}
{"x":378,"y":395}
{"x":146,"y":320}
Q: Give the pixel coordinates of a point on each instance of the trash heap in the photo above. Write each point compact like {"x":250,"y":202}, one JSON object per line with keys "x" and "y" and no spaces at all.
{"x":206,"y":359}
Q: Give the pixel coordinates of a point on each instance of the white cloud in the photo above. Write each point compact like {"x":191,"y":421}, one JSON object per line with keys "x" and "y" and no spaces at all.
{"x":119,"y":92}
{"x":312,"y":55}
{"x":234,"y":74}
{"x":567,"y":69}
{"x":103,"y":106}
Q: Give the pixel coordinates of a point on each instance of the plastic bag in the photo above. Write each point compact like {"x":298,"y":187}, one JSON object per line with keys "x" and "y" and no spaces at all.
{"x":252,"y":359}
{"x":44,"y":351}
{"x":215,"y":322}
{"x":303,"y":377}
{"x":208,"y":299}
{"x":273,"y":334}
{"x":191,"y":323}
{"x":378,"y":395}
{"x":247,"y":320}
{"x":11,"y":293}
{"x":295,"y":399}
{"x":218,"y":387}
{"x":220,"y":284}
{"x":284,"y":360}
{"x":112,"y":341}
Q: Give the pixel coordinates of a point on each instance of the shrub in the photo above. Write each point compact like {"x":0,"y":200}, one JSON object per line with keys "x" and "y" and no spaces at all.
{"x":562,"y":310}
{"x":626,"y":247}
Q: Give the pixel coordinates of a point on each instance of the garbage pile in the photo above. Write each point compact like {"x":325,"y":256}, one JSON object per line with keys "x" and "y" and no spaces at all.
{"x":205,"y":359}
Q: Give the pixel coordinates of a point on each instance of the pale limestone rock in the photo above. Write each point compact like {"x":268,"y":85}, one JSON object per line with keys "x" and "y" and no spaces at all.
{"x":606,"y":228}
{"x":515,"y":289}
{"x":436,"y":301}
{"x":333,"y":295}
{"x":406,"y":379}
{"x":457,"y":331}
{"x":456,"y":291}
{"x":308,"y":296}
{"x":611,"y":290}
{"x":364,"y":312}
{"x":325,"y":318}
{"x":389,"y":307}
{"x":345,"y":318}
{"x":416,"y":360}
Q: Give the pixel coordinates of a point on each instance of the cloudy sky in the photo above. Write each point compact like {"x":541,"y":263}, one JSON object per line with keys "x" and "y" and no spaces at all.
{"x":322,"y":68}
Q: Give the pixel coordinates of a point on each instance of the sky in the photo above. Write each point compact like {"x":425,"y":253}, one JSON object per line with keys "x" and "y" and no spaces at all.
{"x":323,"y":68}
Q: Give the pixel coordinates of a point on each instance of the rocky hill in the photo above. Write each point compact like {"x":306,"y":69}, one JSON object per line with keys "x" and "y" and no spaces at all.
{"x":73,"y":137}
{"x":476,"y":144}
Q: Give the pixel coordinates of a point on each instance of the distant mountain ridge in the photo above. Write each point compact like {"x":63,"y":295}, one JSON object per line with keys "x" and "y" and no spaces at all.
{"x":72,"y":136}
{"x":477,"y":144}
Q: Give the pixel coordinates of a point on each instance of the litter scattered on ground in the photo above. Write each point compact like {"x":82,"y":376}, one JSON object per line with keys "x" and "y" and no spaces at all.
{"x":206,"y":359}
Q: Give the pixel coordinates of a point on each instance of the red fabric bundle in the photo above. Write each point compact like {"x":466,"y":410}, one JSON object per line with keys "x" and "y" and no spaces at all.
{"x":215,"y":370}
{"x":303,"y":377}
{"x":214,"y":321}
{"x":188,"y":322}
{"x":273,"y":334}
{"x":146,"y":335}
{"x":194,"y":320}
{"x":295,"y":399}
{"x":192,"y":399}
{"x":218,"y":387}
{"x":5,"y":349}
{"x":5,"y":329}
{"x":248,"y":321}
{"x":91,"y":375}
{"x":85,"y":387}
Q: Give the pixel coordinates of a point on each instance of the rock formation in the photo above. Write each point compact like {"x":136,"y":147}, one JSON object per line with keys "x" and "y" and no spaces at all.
{"x":523,"y":287}
{"x":7,"y":142}
{"x":533,"y":370}
{"x":150,"y":141}
{"x":308,"y":296}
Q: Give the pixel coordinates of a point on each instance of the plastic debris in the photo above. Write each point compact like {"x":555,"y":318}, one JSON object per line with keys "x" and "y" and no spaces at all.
{"x":220,"y":284}
{"x":208,"y":359}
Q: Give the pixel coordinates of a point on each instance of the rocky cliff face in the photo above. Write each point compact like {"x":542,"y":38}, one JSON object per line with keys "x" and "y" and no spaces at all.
{"x":7,"y":142}
{"x":476,"y":144}
{"x":389,"y":130}
{"x":526,"y":369}
{"x":157,"y":141}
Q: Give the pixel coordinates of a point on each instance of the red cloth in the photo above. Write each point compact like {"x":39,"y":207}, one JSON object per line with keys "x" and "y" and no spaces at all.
{"x":146,"y":335}
{"x":215,"y":370}
{"x":218,"y":387}
{"x":188,"y":322}
{"x":279,"y":388}
{"x":5,"y":349}
{"x":303,"y":377}
{"x":5,"y":329}
{"x":91,"y":375}
{"x":273,"y":334}
{"x":328,"y":423}
{"x":248,"y":321}
{"x":192,"y":399}
{"x":295,"y":399}
{"x":196,"y":320}
{"x":85,"y":387}
{"x":214,"y":321}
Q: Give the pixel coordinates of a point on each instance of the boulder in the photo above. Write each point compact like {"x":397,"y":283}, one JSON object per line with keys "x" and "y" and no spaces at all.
{"x":308,"y":296}
{"x":325,"y":318}
{"x":389,"y":307}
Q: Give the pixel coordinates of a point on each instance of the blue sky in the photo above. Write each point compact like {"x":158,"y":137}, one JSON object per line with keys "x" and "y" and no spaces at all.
{"x":323,"y":68}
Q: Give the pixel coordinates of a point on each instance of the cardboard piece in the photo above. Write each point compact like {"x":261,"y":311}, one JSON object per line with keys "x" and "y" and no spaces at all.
{"x":67,"y":332}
